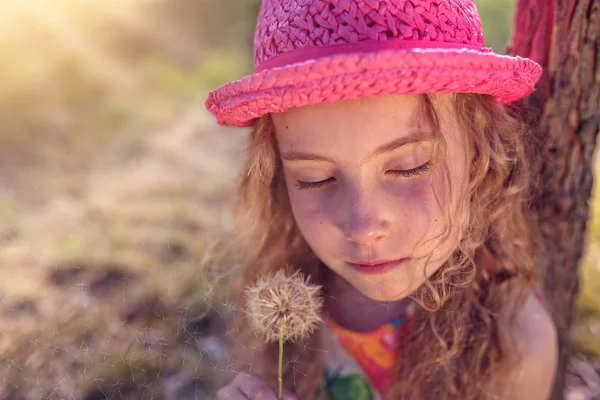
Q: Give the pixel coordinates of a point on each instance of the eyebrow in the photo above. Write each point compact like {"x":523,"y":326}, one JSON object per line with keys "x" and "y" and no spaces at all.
{"x":386,"y":148}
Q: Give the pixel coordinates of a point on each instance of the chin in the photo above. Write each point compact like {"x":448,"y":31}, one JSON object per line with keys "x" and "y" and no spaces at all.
{"x":380,"y":290}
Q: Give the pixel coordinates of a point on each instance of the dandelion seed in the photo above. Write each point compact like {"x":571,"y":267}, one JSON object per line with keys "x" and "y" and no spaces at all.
{"x":283,"y":308}
{"x":284,"y":297}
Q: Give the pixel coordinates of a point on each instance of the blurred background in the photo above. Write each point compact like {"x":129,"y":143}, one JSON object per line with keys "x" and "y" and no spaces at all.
{"x":113,"y":182}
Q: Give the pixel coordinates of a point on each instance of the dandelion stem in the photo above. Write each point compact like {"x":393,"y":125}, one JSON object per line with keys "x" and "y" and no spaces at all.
{"x":280,"y":376}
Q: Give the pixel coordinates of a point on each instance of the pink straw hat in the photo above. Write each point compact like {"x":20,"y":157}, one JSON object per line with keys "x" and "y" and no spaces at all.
{"x":316,"y":51}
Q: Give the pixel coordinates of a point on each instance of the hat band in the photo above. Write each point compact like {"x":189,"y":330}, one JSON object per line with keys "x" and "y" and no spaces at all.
{"x":365,"y":46}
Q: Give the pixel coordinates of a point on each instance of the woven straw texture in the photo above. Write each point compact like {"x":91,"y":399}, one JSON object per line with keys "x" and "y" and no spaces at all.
{"x":444,"y":52}
{"x":286,"y":25}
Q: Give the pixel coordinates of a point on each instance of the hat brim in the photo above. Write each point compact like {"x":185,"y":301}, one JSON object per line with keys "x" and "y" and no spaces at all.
{"x":354,"y":75}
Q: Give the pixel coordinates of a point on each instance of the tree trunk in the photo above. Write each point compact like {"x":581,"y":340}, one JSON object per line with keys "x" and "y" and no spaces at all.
{"x":564,"y":37}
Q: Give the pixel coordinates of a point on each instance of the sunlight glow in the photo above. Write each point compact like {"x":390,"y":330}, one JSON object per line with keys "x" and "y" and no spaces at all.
{"x":36,"y":33}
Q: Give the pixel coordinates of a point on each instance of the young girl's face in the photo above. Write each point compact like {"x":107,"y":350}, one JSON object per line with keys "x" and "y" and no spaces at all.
{"x":358,"y":177}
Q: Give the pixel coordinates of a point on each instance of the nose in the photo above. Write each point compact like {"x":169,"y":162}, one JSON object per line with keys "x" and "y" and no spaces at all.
{"x":366,"y":232}
{"x":366,"y":222}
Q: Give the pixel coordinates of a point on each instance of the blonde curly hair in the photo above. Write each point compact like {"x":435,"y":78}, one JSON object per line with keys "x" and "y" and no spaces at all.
{"x":466,"y":354}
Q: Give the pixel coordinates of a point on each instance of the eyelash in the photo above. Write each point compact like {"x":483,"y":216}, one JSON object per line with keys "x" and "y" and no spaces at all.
{"x":409,"y":173}
{"x":313,"y":185}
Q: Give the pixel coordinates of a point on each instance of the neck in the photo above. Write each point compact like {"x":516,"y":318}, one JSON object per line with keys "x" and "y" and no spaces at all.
{"x":352,"y":310}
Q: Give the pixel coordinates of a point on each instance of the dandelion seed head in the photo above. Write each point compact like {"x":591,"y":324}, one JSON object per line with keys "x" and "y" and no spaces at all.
{"x":279,"y":298}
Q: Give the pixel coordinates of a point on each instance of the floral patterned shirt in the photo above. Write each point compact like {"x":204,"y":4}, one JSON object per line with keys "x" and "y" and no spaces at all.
{"x":359,"y":366}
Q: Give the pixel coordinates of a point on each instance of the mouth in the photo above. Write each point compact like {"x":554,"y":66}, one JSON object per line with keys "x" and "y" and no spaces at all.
{"x":376,"y":266}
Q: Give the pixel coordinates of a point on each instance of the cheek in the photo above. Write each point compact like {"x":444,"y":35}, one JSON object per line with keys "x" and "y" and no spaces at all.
{"x":421,"y":222}
{"x":417,"y":200}
{"x":446,"y":218}
{"x":422,"y":210}
{"x":418,"y":193}
{"x":312,"y":215}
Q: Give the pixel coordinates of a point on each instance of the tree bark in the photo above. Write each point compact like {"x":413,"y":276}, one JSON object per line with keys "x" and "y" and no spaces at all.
{"x":564,"y":37}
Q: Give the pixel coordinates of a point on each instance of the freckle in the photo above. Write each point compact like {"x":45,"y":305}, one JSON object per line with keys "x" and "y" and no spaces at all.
{"x":287,"y":127}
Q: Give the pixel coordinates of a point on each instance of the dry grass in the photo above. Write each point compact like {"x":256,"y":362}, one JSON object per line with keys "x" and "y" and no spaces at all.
{"x":109,"y":283}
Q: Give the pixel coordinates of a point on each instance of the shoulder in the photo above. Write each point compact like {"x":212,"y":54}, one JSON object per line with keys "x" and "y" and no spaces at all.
{"x":537,"y":337}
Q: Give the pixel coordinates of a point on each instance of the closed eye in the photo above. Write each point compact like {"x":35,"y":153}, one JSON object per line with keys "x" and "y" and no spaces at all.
{"x":314,"y":185}
{"x":410,"y":173}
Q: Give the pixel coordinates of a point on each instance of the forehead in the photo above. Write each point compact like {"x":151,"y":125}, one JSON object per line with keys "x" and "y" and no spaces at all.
{"x":376,"y":112}
{"x":351,"y":127}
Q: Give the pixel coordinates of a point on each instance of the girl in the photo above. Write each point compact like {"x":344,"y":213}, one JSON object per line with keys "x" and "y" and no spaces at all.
{"x":384,"y":164}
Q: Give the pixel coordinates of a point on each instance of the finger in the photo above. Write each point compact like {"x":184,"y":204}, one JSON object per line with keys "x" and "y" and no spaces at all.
{"x":255,"y":388}
{"x":263,"y":394}
{"x":260,"y":391}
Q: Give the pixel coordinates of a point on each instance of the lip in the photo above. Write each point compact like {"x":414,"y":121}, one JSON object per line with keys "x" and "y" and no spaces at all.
{"x":377,"y":266}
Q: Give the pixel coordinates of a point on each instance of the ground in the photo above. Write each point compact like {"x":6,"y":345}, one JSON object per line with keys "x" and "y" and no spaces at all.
{"x":101,"y":288}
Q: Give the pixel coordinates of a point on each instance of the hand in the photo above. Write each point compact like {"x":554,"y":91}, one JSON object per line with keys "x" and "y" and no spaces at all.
{"x":250,"y":387}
